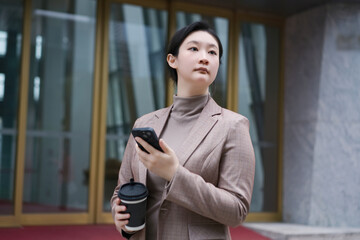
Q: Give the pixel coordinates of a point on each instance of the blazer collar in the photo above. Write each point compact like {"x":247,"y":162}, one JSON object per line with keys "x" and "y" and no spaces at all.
{"x":158,"y":123}
{"x":207,"y":119}
{"x":205,"y":122}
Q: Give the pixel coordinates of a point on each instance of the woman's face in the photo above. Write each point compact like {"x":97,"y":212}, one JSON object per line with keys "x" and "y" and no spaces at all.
{"x":197,"y":63}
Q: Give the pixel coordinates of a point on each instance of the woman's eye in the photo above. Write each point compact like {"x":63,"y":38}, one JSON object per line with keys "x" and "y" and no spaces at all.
{"x":213,"y":53}
{"x":193,"y":49}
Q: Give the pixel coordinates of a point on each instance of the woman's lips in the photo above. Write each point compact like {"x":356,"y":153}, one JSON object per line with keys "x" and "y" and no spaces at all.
{"x":202,"y":70}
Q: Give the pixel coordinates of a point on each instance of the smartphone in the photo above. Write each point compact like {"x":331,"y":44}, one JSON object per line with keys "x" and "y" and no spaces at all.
{"x":147,"y":134}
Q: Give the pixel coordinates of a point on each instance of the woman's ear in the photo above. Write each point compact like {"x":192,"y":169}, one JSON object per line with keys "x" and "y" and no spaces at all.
{"x":171,"y":59}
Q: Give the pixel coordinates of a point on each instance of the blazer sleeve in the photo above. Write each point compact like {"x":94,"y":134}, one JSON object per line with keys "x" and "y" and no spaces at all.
{"x":229,"y":201}
{"x":125,"y":173}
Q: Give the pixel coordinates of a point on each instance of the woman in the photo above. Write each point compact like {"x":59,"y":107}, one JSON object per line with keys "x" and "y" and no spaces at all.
{"x":202,"y":181}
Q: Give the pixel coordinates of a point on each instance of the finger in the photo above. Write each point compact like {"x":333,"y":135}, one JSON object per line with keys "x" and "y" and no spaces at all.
{"x":164,"y":146}
{"x":116,"y":204}
{"x":143,"y":155}
{"x":145,"y":145}
{"x":120,"y":224}
{"x":122,"y":217}
{"x":120,"y":209}
{"x":138,"y":150}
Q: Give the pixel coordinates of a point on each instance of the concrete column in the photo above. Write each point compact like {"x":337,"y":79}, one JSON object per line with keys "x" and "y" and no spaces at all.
{"x":322,"y":117}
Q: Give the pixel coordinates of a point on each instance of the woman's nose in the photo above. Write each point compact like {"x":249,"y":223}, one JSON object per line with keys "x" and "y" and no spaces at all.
{"x":203,"y":58}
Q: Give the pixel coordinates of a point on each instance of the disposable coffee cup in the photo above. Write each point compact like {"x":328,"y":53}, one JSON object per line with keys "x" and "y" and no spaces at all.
{"x":134,"y":196}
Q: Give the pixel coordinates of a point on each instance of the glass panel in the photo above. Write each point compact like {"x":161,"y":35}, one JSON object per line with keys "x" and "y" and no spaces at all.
{"x":258,"y":101}
{"x":137,"y":57}
{"x":59,"y":106}
{"x":11,"y":13}
{"x":221,"y":26}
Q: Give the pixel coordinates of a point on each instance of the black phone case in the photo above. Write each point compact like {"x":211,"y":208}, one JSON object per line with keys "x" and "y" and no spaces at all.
{"x":147,"y":134}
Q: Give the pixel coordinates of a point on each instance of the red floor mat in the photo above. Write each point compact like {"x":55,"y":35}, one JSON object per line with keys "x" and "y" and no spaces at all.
{"x":243,"y":233}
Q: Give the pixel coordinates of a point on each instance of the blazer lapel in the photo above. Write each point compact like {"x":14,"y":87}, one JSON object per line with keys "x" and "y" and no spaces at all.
{"x":158,"y":122}
{"x":203,"y":125}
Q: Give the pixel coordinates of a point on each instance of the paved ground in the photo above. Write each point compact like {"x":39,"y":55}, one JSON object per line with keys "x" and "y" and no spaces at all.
{"x":288,"y":231}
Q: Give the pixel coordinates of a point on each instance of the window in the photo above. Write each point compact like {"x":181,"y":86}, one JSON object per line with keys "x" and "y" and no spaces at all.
{"x":136,"y":85}
{"x":258,"y":101}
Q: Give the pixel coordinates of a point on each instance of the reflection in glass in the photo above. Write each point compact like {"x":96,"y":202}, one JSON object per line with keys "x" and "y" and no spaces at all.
{"x":2,"y":86}
{"x":137,"y":38}
{"x":59,"y":106}
{"x":221,"y":27}
{"x":3,"y":43}
{"x":10,"y":31}
{"x":258,"y":101}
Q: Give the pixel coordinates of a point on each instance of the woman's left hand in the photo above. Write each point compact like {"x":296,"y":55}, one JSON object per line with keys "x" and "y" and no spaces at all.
{"x":164,"y":164}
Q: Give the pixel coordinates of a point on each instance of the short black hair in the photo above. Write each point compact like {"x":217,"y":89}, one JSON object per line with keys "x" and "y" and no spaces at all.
{"x":179,"y":37}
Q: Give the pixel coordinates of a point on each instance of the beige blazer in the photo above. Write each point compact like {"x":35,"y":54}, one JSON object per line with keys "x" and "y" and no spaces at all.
{"x":212,"y":187}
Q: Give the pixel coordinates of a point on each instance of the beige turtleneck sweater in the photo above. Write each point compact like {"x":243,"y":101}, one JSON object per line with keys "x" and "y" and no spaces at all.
{"x":183,"y":115}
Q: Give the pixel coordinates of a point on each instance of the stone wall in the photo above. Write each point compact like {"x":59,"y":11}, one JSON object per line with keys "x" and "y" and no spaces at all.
{"x":322,"y":117}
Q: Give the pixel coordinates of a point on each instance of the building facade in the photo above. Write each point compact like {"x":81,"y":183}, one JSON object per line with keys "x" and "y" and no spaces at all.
{"x":74,"y":76}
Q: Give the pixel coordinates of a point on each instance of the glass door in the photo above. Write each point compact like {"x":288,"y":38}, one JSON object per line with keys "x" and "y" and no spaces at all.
{"x":59,"y":111}
{"x":11,"y":25}
{"x":75,"y":75}
{"x":258,"y":99}
{"x":134,"y":70}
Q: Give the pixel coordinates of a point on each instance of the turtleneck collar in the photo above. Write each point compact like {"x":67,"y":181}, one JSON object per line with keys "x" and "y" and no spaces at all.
{"x":189,"y":106}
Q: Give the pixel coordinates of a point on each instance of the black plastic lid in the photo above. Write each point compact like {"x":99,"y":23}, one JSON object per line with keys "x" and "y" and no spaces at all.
{"x":133,"y":191}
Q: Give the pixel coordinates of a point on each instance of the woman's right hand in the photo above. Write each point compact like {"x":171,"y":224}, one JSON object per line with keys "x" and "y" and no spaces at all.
{"x":120,"y":218}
